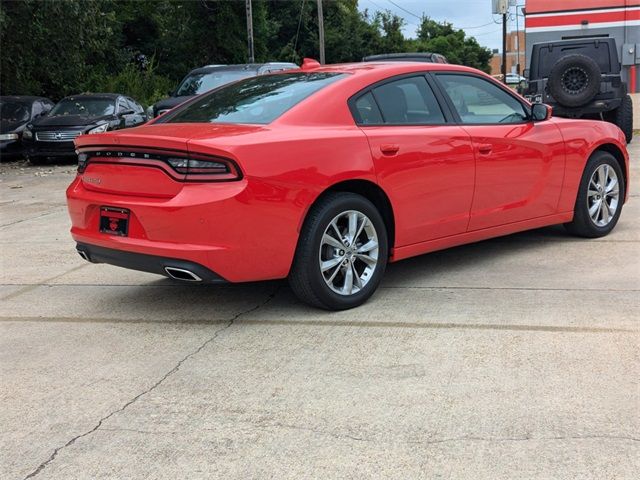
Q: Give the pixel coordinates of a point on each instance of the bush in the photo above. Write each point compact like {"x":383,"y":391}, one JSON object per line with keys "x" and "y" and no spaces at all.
{"x":141,"y":83}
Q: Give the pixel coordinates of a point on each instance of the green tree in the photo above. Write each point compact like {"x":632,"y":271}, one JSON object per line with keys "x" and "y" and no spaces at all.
{"x":443,"y":38}
{"x":145,"y":47}
{"x":49,"y":47}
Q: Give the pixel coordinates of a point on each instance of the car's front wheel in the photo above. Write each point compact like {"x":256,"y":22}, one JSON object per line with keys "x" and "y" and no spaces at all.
{"x":600,"y":197}
{"x":342,"y":253}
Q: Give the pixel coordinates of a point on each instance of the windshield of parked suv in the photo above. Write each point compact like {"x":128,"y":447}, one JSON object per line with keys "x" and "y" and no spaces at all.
{"x":254,"y":100}
{"x":91,"y":107}
{"x":13,"y":112}
{"x":203,"y":82}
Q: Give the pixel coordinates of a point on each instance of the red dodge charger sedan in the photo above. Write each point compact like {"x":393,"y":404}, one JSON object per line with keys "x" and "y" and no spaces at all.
{"x":325,"y":174}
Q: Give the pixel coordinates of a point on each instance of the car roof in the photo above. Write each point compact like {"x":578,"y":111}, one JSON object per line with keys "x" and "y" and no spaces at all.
{"x":386,"y":67}
{"x":249,"y":67}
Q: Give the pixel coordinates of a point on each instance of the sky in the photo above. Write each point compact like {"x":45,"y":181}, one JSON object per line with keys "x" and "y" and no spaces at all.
{"x":473,"y":16}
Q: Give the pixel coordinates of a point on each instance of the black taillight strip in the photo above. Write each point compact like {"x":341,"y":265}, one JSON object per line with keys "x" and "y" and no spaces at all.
{"x":159,"y":158}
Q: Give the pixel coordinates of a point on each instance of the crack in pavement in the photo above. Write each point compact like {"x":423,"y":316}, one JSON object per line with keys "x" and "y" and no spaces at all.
{"x":429,"y":441}
{"x":383,"y":287}
{"x":310,"y":322}
{"x":97,"y":426}
{"x":58,"y":210}
{"x":33,"y":286}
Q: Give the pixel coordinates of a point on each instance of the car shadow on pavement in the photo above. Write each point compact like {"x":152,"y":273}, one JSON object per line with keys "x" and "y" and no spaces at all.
{"x":477,"y":264}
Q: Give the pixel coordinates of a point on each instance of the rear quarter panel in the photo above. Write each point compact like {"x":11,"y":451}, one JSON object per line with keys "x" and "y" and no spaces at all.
{"x":285,"y":171}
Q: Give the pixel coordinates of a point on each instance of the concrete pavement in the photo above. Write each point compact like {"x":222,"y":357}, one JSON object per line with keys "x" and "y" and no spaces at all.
{"x":512,"y":358}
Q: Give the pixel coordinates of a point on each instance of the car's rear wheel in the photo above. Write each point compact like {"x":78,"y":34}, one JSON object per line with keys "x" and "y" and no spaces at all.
{"x":600,"y":197}
{"x":342,"y":253}
{"x":623,"y":117}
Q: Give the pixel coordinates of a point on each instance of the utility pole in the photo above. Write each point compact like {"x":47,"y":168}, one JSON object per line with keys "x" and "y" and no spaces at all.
{"x":517,"y":43}
{"x":321,"y":31}
{"x":504,"y":48}
{"x":252,"y":58}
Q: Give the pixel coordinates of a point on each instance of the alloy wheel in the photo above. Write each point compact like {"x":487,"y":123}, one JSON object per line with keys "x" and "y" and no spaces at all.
{"x":603,"y":195}
{"x":348,"y":253}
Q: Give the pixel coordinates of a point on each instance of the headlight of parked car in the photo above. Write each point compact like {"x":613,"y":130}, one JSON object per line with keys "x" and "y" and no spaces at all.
{"x":9,"y":136}
{"x":99,"y":129}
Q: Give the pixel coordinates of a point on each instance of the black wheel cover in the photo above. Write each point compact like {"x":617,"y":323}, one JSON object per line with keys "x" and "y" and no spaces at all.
{"x":574,"y":80}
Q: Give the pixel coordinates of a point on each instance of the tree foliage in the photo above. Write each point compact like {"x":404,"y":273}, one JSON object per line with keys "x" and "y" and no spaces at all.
{"x":443,"y":38}
{"x":59,"y":47}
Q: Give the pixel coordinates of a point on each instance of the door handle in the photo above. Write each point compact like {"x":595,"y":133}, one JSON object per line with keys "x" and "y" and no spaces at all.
{"x":485,"y":148}
{"x":389,"y":148}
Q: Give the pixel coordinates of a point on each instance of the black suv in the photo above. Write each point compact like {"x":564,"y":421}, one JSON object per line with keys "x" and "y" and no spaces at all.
{"x":209,"y":77}
{"x":580,"y":79}
{"x":407,"y":57}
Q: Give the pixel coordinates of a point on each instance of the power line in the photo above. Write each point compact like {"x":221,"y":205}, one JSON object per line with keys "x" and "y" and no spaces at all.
{"x":405,"y":10}
{"x":295,"y":43}
{"x":477,"y":26}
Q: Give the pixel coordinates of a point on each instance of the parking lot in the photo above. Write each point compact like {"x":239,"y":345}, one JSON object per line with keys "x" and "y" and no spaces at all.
{"x":517,"y":357}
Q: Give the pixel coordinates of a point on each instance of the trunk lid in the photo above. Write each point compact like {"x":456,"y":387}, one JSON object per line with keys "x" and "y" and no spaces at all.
{"x":129,"y":162}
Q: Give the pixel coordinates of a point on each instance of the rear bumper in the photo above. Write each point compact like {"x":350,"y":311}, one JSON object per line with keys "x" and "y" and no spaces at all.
{"x":146,"y":263}
{"x":232,"y":229}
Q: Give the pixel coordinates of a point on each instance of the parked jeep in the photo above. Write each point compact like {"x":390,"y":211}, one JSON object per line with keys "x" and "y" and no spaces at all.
{"x":580,"y":79}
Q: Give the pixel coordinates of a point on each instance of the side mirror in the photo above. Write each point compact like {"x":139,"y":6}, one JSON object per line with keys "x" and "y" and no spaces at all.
{"x":126,"y":112}
{"x":541,"y":112}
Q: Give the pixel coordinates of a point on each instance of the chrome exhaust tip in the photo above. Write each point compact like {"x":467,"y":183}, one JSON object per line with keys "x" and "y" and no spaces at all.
{"x":84,"y":255}
{"x":182,"y":274}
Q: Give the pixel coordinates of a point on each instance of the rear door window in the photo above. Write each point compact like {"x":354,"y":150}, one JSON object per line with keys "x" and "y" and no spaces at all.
{"x":406,"y":101}
{"x":550,"y":55}
{"x":367,"y":112}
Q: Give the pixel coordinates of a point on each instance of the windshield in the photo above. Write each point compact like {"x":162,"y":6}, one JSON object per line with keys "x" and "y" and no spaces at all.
{"x":203,"y":82}
{"x":91,"y":107}
{"x":13,"y":112}
{"x":254,"y":100}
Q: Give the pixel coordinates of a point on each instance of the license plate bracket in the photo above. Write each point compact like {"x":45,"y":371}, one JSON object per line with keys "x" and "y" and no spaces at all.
{"x":114,"y":221}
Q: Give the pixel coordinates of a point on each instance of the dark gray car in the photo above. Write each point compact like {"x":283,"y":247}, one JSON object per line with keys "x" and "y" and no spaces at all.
{"x":207,"y":78}
{"x":15,"y":113}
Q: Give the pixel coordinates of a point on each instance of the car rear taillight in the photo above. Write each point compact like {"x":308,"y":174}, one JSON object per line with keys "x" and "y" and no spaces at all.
{"x":183,"y":167}
{"x":82,"y":162}
{"x":190,"y":166}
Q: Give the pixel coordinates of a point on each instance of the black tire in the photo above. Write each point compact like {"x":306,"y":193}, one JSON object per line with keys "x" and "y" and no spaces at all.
{"x":306,"y":278}
{"x":583,"y":225}
{"x":37,"y":160}
{"x":623,"y":117}
{"x":574,"y":80}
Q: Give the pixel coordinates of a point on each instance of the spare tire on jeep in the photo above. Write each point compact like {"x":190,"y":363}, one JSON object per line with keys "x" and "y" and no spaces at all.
{"x":574,"y":80}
